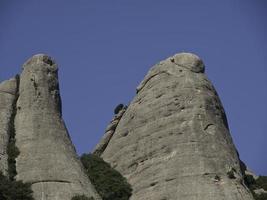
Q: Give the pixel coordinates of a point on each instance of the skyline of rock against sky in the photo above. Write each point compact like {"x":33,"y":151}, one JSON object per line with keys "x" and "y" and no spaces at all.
{"x":104,"y":49}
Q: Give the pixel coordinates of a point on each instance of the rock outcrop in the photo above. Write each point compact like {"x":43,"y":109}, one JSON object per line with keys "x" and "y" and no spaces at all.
{"x":47,"y":157}
{"x":101,"y":146}
{"x":8,"y":91}
{"x":173,"y":140}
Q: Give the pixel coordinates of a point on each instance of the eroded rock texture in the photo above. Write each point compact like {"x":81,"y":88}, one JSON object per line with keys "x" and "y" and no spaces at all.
{"x":7,"y":97}
{"x":47,"y":157}
{"x":173,"y":141}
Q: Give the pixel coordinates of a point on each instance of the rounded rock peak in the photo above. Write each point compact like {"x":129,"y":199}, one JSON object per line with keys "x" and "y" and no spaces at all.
{"x":40,"y":59}
{"x":189,"y":61}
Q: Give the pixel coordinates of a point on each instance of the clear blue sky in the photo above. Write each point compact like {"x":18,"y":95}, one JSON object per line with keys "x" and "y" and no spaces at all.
{"x":105,"y":48}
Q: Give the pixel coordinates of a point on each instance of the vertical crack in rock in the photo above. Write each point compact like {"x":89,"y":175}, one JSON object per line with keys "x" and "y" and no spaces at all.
{"x":47,"y":156}
{"x":12,"y":149}
{"x":178,"y":132}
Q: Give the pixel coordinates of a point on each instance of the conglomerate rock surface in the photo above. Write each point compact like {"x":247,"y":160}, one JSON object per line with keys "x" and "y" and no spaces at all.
{"x":47,"y":157}
{"x":173,"y":140}
{"x":7,"y":97}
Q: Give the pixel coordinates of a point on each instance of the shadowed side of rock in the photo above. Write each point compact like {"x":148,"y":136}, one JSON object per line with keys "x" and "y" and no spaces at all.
{"x":173,"y":141}
{"x":47,"y":157}
{"x":7,"y":97}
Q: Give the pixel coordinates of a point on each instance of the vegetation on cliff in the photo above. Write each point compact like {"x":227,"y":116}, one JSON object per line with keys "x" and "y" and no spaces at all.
{"x":254,"y":184}
{"x":14,"y":190}
{"x":12,"y":150}
{"x":109,"y":183}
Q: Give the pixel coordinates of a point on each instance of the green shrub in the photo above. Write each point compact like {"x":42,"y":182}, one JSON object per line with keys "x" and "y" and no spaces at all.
{"x":261,"y":182}
{"x":82,"y":197}
{"x":14,"y":190}
{"x":260,"y":196}
{"x":12,"y":150}
{"x":250,"y":181}
{"x":109,"y":183}
{"x":253,"y":184}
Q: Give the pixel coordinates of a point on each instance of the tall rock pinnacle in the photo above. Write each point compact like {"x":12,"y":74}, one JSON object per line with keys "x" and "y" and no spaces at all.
{"x":173,"y":140}
{"x":8,"y":91}
{"x":47,"y":157}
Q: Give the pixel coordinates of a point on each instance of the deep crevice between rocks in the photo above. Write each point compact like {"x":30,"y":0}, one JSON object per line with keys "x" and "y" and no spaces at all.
{"x":12,"y":150}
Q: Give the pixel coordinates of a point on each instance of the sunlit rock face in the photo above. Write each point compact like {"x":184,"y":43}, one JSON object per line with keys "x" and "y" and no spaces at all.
{"x":7,"y":100}
{"x":47,"y":157}
{"x":173,"y":140}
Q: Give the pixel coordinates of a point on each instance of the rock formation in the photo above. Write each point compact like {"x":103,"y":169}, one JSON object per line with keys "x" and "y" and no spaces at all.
{"x":47,"y":158}
{"x":101,"y":146}
{"x":173,"y":140}
{"x":8,"y":91}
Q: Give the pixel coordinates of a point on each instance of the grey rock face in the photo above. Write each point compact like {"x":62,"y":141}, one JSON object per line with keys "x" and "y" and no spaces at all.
{"x":101,"y":146}
{"x":47,"y":157}
{"x":173,"y":141}
{"x":7,"y":97}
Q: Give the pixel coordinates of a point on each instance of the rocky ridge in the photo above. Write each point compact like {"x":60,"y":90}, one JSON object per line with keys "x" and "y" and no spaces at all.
{"x":172,"y":142}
